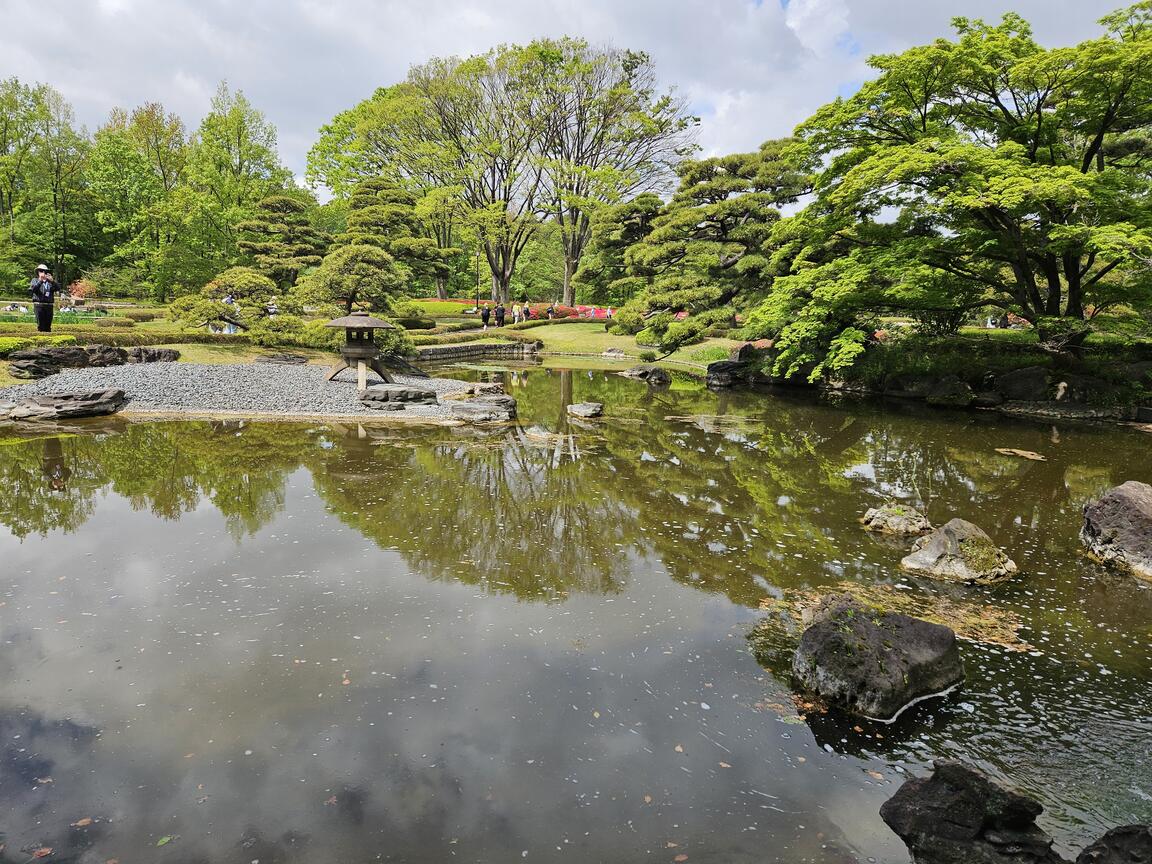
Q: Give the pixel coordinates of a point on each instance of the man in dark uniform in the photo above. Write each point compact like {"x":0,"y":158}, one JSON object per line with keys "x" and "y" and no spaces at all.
{"x":43,"y":291}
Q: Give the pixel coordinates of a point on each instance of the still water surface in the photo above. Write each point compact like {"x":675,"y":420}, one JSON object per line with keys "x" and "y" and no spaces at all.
{"x":280,"y":643}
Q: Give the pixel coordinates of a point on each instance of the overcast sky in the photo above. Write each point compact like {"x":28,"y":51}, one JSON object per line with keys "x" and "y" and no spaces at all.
{"x":752,"y":70}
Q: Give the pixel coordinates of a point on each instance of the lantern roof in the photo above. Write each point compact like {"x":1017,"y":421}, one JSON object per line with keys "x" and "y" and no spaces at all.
{"x":360,"y":321}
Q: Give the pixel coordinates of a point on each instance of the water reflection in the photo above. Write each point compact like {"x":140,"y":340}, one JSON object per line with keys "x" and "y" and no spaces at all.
{"x":418,"y":643}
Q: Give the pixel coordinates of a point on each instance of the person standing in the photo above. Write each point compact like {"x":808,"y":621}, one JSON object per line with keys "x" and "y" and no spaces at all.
{"x":485,"y":314}
{"x":516,"y":313}
{"x":43,"y":291}
{"x":500,"y":313}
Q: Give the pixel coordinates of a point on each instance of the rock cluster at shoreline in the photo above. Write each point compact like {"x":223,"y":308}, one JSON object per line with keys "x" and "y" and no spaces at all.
{"x":958,"y":816}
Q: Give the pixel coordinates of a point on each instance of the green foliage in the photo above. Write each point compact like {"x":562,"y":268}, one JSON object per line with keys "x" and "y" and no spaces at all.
{"x":280,"y":239}
{"x":250,"y":294}
{"x":8,"y":344}
{"x":648,"y":356}
{"x":352,"y":275}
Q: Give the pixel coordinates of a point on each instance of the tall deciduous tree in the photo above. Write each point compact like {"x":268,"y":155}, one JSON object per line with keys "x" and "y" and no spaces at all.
{"x":610,"y":135}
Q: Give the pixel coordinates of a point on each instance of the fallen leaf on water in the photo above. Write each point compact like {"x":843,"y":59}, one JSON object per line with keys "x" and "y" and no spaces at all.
{"x":679,"y":748}
{"x":647,"y":799}
{"x":1023,"y":454}
{"x":801,"y":759}
{"x":330,"y":801}
{"x":670,"y":845}
{"x":596,"y":714}
{"x":112,"y":861}
{"x":876,"y":775}
{"x":857,"y":729}
{"x":43,"y":780}
{"x":725,"y":765}
{"x":164,"y":841}
{"x":42,"y":852}
{"x":681,"y":857}
{"x":82,"y":823}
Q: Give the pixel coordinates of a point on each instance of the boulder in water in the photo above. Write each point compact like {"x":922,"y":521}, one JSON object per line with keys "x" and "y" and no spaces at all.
{"x":654,"y":375}
{"x":959,"y":816}
{"x":897,"y":519}
{"x":1118,"y":527}
{"x":493,"y":408}
{"x":871,"y":662}
{"x":586,"y":409}
{"x":961,"y":552}
{"x":380,"y":394}
{"x":1128,"y":844}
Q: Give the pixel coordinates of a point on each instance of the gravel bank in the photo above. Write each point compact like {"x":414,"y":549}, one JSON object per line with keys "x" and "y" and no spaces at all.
{"x":259,"y":388}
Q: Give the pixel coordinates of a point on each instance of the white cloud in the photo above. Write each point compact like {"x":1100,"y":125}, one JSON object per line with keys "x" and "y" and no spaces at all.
{"x":752,"y":70}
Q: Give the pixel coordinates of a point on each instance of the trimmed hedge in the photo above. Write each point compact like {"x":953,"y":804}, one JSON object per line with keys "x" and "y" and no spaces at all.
{"x":115,"y":322}
{"x":126,"y":338}
{"x":8,"y":344}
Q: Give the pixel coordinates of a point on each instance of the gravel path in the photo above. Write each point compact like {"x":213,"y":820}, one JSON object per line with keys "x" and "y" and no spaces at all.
{"x":259,"y":388}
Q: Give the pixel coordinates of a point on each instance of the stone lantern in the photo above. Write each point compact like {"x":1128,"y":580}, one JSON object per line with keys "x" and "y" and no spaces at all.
{"x":359,"y":348}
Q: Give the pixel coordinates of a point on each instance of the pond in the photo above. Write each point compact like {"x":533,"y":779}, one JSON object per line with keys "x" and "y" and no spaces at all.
{"x":279,"y":642}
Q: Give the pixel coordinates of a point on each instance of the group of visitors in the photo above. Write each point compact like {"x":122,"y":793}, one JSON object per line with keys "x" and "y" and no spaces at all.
{"x":500,"y":315}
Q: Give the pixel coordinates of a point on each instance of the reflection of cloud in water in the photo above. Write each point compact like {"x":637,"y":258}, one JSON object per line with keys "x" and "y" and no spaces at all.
{"x":230,"y":577}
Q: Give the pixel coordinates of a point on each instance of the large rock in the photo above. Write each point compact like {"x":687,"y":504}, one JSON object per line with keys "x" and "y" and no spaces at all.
{"x":959,"y":551}
{"x":909,"y":386}
{"x":42,"y":362}
{"x":64,"y":406}
{"x":494,"y":408}
{"x":871,"y":662}
{"x":959,"y":816}
{"x":654,"y":375}
{"x":726,"y":373}
{"x":283,"y":359}
{"x":140,"y":354}
{"x":379,"y":395}
{"x":1129,"y":844}
{"x":1118,"y":527}
{"x":950,"y":392}
{"x":1030,"y":384}
{"x":586,"y":409}
{"x":898,"y":519}
{"x":615,"y":354}
{"x":105,"y":355}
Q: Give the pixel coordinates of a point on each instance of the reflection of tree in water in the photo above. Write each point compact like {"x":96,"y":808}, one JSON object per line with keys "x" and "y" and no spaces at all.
{"x":48,"y":485}
{"x":491,"y":508}
{"x":165,"y":469}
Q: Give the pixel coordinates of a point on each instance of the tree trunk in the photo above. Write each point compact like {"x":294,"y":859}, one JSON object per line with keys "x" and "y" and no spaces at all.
{"x":569,"y":290}
{"x":441,"y":288}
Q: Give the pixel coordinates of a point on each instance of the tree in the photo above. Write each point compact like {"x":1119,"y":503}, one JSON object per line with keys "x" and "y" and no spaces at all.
{"x":604,"y":277}
{"x":610,"y":136}
{"x":281,"y":240}
{"x":232,"y":164}
{"x":352,"y":275}
{"x":704,"y":252}
{"x":249,"y":295}
{"x":383,"y":213}
{"x":987,"y":170}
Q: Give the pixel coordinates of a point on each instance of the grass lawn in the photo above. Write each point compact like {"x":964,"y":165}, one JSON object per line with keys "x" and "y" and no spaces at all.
{"x":588,"y":337}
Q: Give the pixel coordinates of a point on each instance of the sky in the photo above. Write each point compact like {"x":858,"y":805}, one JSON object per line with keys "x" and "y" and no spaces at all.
{"x":751,"y":69}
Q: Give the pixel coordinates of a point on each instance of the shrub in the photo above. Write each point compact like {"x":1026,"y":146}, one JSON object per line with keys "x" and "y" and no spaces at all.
{"x":8,"y":344}
{"x":140,"y":315}
{"x":114,"y":322}
{"x":648,"y":356}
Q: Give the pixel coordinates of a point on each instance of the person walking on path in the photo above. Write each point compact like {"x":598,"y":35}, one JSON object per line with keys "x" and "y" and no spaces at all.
{"x":500,"y":313}
{"x":43,"y":291}
{"x":515,"y":313}
{"x":485,"y":314}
